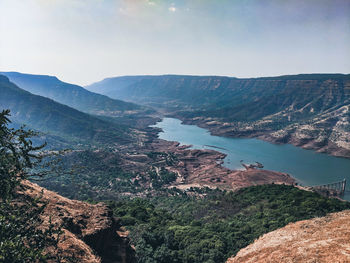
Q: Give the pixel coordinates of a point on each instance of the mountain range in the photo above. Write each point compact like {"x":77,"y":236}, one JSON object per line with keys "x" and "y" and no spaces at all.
{"x":309,"y":110}
{"x":214,"y":94}
{"x":48,"y":116}
{"x":71,"y":95}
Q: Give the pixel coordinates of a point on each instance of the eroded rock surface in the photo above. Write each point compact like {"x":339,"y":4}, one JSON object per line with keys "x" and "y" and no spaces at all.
{"x":325,"y":239}
{"x":90,"y":232}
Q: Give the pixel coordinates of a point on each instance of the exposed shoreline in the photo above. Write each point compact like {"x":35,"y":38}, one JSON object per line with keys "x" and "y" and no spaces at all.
{"x":219,"y":129}
{"x":204,"y":168}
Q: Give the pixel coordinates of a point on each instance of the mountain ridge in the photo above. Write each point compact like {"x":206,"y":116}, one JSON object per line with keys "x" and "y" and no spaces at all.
{"x":200,"y":92}
{"x":46,"y":115}
{"x":71,"y":95}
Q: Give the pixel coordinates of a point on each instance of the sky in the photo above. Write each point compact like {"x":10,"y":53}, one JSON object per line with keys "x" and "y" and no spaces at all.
{"x":84,"y":41}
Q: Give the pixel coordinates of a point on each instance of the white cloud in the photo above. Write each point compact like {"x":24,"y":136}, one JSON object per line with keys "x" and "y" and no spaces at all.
{"x":150,"y":2}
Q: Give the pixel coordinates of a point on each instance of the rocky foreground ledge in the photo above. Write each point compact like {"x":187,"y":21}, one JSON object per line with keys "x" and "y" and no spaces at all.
{"x":325,"y":239}
{"x":90,"y":232}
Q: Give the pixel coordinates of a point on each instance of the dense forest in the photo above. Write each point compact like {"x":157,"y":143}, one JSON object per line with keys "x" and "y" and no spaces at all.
{"x":212,"y":225}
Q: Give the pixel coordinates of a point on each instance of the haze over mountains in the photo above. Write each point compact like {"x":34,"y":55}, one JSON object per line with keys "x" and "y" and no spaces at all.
{"x":48,"y":116}
{"x":211,"y":93}
{"x":71,"y":95}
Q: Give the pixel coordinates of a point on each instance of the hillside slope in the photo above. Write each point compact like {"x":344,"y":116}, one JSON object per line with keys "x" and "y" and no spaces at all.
{"x":71,"y":95}
{"x":324,"y":239}
{"x":90,"y":232}
{"x":48,"y":116}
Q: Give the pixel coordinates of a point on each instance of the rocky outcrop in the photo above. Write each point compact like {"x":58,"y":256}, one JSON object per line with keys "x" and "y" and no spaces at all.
{"x":325,"y":239}
{"x":90,"y":232}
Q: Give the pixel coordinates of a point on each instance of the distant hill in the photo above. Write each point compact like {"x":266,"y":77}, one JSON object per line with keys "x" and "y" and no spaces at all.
{"x":292,"y":98}
{"x":70,"y":95}
{"x":232,"y":98}
{"x":48,"y":116}
{"x":183,"y":90}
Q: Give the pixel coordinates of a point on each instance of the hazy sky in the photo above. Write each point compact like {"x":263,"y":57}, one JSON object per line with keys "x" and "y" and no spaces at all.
{"x":82,"y":41}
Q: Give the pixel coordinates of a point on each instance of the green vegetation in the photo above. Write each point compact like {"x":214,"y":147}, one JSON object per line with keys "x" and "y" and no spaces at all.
{"x":21,"y":240}
{"x":17,"y":155}
{"x":48,"y":116}
{"x":161,"y":177}
{"x":95,"y":175}
{"x":169,"y":158}
{"x":100,"y":175}
{"x":185,"y":228}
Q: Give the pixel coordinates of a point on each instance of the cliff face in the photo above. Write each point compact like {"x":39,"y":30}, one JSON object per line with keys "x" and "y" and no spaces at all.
{"x":90,"y":233}
{"x":324,"y":239}
{"x":213,"y":93}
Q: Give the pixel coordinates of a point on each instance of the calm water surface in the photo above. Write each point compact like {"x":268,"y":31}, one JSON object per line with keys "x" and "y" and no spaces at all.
{"x":308,"y":167}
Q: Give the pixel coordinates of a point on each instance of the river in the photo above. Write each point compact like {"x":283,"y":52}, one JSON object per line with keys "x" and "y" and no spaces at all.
{"x":307,"y":166}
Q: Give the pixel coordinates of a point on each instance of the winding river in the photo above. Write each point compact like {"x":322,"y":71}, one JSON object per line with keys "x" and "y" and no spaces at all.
{"x":308,"y":167}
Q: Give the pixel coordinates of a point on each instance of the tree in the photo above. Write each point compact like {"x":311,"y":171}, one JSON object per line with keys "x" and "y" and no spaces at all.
{"x":17,"y":155}
{"x":20,"y":237}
